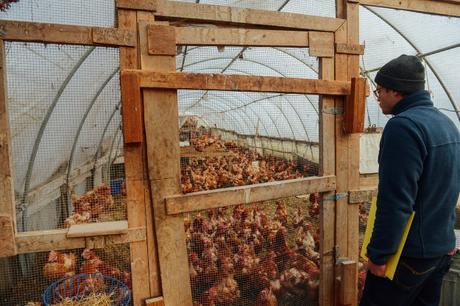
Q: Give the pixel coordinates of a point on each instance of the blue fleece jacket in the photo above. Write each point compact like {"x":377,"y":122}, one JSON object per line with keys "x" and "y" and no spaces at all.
{"x":419,"y":169}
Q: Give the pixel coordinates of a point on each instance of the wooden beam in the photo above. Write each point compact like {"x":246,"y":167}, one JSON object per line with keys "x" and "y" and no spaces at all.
{"x":183,"y":80}
{"x":163,"y":155}
{"x":43,"y":241}
{"x":157,"y":301}
{"x":202,"y":200}
{"x":98,"y":229}
{"x":361,"y":195}
{"x":321,"y":44}
{"x":447,"y":8}
{"x":132,"y":109}
{"x":349,"y":273}
{"x":349,"y":49}
{"x":200,"y":36}
{"x":327,"y":167}
{"x":159,"y":40}
{"x":355,"y":106}
{"x":7,"y":207}
{"x":65,"y":34}
{"x":172,"y":10}
{"x":7,"y":242}
{"x":369,"y":181}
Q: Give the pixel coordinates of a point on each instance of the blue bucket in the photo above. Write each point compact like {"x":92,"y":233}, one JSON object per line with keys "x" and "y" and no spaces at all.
{"x":81,"y":285}
{"x":116,"y":185}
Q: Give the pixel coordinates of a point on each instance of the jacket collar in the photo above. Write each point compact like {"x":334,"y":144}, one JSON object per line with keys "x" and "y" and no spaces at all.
{"x":418,"y":98}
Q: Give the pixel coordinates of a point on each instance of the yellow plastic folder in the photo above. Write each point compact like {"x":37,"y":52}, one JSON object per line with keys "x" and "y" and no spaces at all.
{"x":392,"y":262}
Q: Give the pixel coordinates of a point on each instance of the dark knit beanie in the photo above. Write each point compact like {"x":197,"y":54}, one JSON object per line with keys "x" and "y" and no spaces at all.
{"x":405,"y":74}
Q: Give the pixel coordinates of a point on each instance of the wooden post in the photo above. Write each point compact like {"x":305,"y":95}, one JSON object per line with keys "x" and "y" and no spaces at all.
{"x":163,"y":154}
{"x":137,"y":195}
{"x":347,"y":153}
{"x":7,"y":210}
{"x":327,"y":167}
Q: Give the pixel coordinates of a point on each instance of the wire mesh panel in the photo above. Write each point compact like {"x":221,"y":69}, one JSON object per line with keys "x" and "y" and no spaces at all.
{"x":24,"y":278}
{"x":64,"y":107}
{"x":75,"y":12}
{"x":240,"y":138}
{"x":261,"y":254}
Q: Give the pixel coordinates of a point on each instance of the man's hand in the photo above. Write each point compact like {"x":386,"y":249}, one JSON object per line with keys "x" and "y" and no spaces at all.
{"x":377,"y":270}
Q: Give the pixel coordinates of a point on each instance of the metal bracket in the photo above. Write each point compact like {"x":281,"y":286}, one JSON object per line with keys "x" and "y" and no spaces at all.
{"x":332,"y":110}
{"x":336,"y":197}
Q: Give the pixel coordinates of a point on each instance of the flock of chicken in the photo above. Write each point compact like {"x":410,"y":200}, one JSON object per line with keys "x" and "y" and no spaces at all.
{"x":89,"y":206}
{"x":241,"y":167}
{"x":248,"y":254}
{"x":61,"y":265}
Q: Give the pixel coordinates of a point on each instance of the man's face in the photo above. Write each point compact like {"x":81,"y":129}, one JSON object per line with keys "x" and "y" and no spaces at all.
{"x":387,"y":99}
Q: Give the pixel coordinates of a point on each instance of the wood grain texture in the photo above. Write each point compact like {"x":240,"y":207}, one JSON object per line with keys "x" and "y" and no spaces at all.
{"x":210,"y":36}
{"x":163,"y":155}
{"x":160,"y":38}
{"x":321,"y":44}
{"x":141,"y":269}
{"x":98,"y":229}
{"x":171,"y":10}
{"x":184,"y":80}
{"x":44,"y":241}
{"x":247,"y":194}
{"x":65,"y":34}
{"x":327,"y":167}
{"x":355,"y":106}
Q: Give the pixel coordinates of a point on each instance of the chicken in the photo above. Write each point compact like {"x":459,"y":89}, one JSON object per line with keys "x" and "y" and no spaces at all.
{"x":77,"y":218}
{"x":266,"y":298}
{"x":93,"y":264}
{"x":94,"y":201}
{"x":209,"y":297}
{"x":59,"y":265}
{"x":281,"y":213}
{"x":305,"y":243}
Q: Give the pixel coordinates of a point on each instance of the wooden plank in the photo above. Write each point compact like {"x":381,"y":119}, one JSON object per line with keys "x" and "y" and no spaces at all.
{"x":132,"y":109}
{"x":447,"y":8}
{"x":163,"y":155}
{"x":7,"y":236}
{"x":157,"y":301}
{"x":44,"y":241}
{"x":98,"y":229}
{"x":192,"y":153}
{"x":113,"y":36}
{"x":355,"y":106}
{"x":349,"y":49}
{"x":7,"y":207}
{"x":361,"y":195}
{"x":185,"y":80}
{"x":172,"y":10}
{"x":64,"y":34}
{"x":202,"y":200}
{"x":327,"y":212}
{"x":369,"y":181}
{"x":159,"y":40}
{"x":142,"y":272}
{"x":201,"y":36}
{"x":146,"y":5}
{"x":321,"y":44}
{"x":349,"y":274}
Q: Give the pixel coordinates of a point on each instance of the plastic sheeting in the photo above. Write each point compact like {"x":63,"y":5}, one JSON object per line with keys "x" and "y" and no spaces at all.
{"x":386,"y":33}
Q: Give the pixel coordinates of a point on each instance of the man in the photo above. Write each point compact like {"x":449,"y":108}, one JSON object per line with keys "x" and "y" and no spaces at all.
{"x":419,"y":170}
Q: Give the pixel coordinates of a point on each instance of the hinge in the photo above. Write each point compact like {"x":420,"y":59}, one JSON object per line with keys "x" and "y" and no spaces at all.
{"x":336,"y":197}
{"x":333,"y":110}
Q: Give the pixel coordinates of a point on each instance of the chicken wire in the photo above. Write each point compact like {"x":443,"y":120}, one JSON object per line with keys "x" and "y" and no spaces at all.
{"x":260,"y":254}
{"x":24,"y":278}
{"x":226,"y":141}
{"x":65,"y":121}
{"x":75,"y":12}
